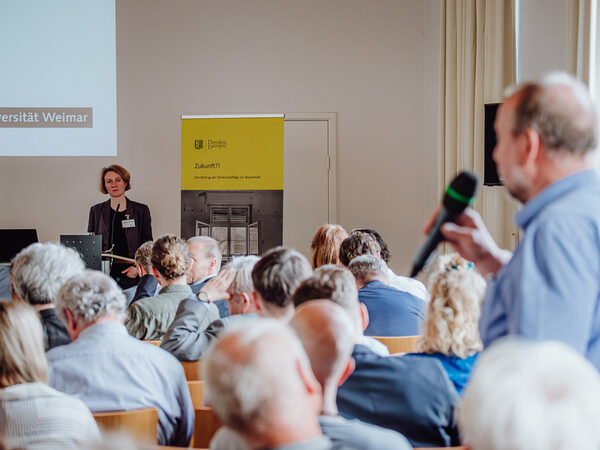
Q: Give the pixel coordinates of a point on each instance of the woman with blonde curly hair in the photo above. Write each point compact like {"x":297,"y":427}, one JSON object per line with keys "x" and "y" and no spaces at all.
{"x":150,"y":317}
{"x":326,"y":243}
{"x":451,"y":331}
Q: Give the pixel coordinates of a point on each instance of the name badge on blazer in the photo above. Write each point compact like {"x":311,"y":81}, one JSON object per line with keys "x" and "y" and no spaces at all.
{"x":128,"y":223}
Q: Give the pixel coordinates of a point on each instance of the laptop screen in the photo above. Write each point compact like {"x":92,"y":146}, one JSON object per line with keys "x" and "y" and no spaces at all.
{"x":13,"y":241}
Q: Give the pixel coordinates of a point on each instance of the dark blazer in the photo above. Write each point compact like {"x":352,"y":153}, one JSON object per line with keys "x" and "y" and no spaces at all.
{"x":55,"y":332}
{"x":413,"y":396}
{"x":99,"y":223}
{"x":391,"y":312}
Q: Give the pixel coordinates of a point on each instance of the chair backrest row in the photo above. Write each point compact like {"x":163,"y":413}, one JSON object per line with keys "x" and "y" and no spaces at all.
{"x":140,"y":423}
{"x":398,"y":344}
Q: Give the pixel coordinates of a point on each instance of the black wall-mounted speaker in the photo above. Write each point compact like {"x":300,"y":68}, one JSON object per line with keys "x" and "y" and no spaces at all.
{"x":490,"y":174}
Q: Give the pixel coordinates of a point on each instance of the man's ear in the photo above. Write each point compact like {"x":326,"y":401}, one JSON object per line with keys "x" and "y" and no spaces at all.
{"x":246,"y":301}
{"x":71,"y":324}
{"x":212,"y":264}
{"x":140,"y":269}
{"x":255,"y":300}
{"x":312,"y":386}
{"x":350,"y":366}
{"x":155,"y":272}
{"x":533,"y":150}
{"x":13,"y":293}
{"x":364,"y":316}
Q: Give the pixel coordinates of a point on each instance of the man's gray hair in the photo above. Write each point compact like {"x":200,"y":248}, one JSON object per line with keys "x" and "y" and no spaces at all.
{"x":333,"y":283}
{"x":210,"y":246}
{"x":560,"y":109}
{"x":39,"y":270}
{"x":544,"y":396}
{"x":242,"y":267}
{"x":277,"y":275}
{"x":90,"y":296}
{"x":367,"y":267}
{"x":250,"y":372}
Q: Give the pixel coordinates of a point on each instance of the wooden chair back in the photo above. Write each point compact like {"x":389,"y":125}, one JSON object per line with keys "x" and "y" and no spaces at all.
{"x":398,"y":344}
{"x":197,"y":392}
{"x":140,"y":423}
{"x":192,"y":370}
{"x":206,"y":425}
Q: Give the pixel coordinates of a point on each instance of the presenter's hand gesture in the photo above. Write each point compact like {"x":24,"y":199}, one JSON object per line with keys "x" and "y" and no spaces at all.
{"x":472,"y":240}
{"x":217,"y":288}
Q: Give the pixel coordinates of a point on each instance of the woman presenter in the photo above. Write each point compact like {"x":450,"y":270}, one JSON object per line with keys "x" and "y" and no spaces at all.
{"x":123,"y":223}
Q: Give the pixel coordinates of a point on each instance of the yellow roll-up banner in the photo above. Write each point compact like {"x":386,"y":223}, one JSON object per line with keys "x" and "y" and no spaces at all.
{"x":232,"y":181}
{"x":232,"y":153}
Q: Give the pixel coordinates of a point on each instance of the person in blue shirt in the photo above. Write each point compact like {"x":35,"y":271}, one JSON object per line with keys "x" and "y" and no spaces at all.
{"x":549,"y":289}
{"x":392,"y":312}
{"x":109,"y":370}
{"x":450,"y":333}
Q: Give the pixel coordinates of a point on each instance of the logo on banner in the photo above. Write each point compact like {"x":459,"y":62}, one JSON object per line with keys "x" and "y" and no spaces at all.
{"x":199,"y":143}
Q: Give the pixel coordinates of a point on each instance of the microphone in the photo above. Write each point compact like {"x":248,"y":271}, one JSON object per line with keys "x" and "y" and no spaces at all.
{"x":458,"y":196}
{"x":112,"y":230}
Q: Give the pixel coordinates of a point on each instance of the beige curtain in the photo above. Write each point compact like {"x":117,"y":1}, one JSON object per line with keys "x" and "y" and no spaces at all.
{"x":478,"y":62}
{"x":580,"y":42}
{"x":582,"y":48}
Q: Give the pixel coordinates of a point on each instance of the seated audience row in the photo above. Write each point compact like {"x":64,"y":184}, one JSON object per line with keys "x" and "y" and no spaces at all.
{"x":150,"y":317}
{"x":409,"y":394}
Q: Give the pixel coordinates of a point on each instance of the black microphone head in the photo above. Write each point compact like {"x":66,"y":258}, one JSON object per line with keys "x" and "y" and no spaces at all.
{"x":461,"y":192}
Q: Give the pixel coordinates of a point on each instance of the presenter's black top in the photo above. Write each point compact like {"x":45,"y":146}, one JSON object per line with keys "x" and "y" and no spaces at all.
{"x":118,"y":232}
{"x":136,"y":232}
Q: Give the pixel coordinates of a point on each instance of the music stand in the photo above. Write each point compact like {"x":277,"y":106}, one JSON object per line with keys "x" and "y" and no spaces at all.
{"x":89,"y":247}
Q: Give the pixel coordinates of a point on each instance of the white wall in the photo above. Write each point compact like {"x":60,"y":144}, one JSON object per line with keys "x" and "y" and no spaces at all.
{"x":543,"y":37}
{"x":364,"y":60}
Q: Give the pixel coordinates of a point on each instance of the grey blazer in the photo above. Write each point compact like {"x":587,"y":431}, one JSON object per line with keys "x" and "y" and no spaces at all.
{"x":190,"y":333}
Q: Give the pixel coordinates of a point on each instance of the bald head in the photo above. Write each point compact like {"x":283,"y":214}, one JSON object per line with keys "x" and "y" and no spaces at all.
{"x":560,"y":109}
{"x":327,"y":334}
{"x":258,"y":378}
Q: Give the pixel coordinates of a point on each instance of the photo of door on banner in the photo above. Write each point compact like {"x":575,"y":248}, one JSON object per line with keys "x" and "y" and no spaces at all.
{"x":232,"y":181}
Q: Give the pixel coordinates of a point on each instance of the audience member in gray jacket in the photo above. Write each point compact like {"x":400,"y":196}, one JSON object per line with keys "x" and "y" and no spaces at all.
{"x":186,"y":339}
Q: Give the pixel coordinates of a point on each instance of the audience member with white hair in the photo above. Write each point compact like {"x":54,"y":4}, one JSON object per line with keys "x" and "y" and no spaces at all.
{"x":408,"y":394}
{"x":36,"y":274}
{"x":205,"y":264}
{"x":32,"y":414}
{"x":108,"y":369}
{"x":527,"y":395}
{"x":185,"y":338}
{"x":150,"y":317}
{"x":260,"y":384}
{"x":391,"y":312}
{"x":326,"y":332}
{"x":451,"y":332}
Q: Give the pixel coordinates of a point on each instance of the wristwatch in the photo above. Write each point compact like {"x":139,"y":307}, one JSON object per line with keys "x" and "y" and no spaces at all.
{"x":203,"y":296}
